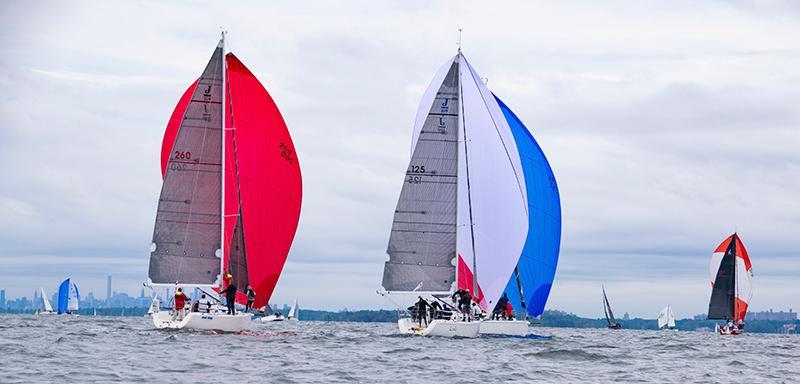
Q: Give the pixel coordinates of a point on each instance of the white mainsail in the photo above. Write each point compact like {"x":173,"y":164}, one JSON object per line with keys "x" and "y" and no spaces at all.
{"x":72,"y":304}
{"x":45,"y":303}
{"x":666,"y":318}
{"x":294,"y":312}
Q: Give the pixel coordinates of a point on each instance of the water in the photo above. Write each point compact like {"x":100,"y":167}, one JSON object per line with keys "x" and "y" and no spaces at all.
{"x":116,"y":349}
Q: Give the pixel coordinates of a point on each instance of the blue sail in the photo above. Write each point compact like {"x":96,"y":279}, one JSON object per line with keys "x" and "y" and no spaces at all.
{"x":63,"y":296}
{"x":537,"y":263}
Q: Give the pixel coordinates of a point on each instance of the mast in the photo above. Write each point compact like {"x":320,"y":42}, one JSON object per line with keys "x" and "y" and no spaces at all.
{"x":222,"y":174}
{"x":462,"y":119}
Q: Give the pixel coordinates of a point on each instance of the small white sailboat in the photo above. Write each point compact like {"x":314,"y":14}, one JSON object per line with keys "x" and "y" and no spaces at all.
{"x":219,"y":212}
{"x":46,"y":309}
{"x":294,"y":312}
{"x":271,"y":315}
{"x":666,"y":318}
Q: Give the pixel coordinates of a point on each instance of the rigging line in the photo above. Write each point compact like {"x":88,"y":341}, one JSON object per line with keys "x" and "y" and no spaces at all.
{"x":497,"y":130}
{"x":469,"y":194}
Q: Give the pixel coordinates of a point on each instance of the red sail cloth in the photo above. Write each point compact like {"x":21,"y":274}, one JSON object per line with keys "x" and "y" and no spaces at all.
{"x":263,"y":171}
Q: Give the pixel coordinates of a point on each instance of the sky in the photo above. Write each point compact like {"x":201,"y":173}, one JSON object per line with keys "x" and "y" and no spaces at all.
{"x":668,"y":127}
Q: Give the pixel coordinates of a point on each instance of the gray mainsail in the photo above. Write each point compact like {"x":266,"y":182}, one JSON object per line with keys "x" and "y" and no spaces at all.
{"x":422,"y":244}
{"x":187,"y":229}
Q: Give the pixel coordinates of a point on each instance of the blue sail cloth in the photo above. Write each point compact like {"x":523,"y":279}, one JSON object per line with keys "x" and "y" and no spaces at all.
{"x":63,"y":296}
{"x":537,"y":263}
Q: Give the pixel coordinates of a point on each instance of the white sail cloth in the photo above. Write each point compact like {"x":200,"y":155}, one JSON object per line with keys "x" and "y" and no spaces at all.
{"x":492,"y":201}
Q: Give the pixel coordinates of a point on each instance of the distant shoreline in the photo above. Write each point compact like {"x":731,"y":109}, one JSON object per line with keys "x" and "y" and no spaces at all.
{"x":550,"y":318}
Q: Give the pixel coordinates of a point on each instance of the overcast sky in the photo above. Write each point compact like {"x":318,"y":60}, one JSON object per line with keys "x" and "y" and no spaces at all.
{"x":668,"y":126}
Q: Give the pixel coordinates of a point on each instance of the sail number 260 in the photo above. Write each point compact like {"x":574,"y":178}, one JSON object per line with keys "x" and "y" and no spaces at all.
{"x":182,"y":155}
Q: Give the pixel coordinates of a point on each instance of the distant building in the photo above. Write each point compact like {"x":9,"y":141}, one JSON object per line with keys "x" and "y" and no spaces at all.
{"x":770,"y":315}
{"x":108,"y":288}
{"x":626,"y":316}
{"x":2,"y":298}
{"x":701,"y":316}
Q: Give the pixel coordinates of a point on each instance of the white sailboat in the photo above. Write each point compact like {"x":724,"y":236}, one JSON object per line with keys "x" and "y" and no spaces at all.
{"x":219,"y":213}
{"x":271,"y":315}
{"x":294,"y":312}
{"x":666,"y":318}
{"x":46,"y":309}
{"x":461,"y":219}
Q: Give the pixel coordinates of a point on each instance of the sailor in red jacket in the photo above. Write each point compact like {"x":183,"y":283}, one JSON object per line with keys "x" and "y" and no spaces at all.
{"x":180,"y":299}
{"x":509,"y":310}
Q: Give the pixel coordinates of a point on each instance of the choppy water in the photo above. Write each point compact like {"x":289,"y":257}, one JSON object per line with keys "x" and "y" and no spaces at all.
{"x":113,"y":349}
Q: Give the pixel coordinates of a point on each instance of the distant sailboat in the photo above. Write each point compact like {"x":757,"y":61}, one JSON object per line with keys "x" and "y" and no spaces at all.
{"x":46,"y":309}
{"x":294,"y":312}
{"x":666,"y":318}
{"x":230,"y":202}
{"x":612,"y":322}
{"x":461,"y":220}
{"x":68,"y":297}
{"x":731,"y":275}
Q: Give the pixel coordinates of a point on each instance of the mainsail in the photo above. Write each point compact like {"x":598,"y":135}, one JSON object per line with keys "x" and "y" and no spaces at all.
{"x":74,"y":298}
{"x":607,"y":308}
{"x":422,"y":243}
{"x":731,"y":281}
{"x":45,"y":302}
{"x":666,"y":318}
{"x":187,"y":230}
{"x":529,"y":286}
{"x":262,"y":191}
{"x":462,"y":215}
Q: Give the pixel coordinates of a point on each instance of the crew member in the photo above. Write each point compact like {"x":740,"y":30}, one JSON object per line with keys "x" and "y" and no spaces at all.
{"x":180,"y":302}
{"x":509,"y":310}
{"x":436,"y":310}
{"x":230,"y":294}
{"x":422,"y":311}
{"x":251,"y":297}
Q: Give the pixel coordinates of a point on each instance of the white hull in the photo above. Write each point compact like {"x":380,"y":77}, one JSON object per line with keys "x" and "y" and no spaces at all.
{"x":202,"y":320}
{"x":271,"y":319}
{"x":504,"y":327}
{"x":441,"y":328}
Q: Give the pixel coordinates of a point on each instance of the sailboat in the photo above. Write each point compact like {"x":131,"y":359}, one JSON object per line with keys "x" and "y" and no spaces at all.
{"x":666,"y":319}
{"x":230,"y":202}
{"x":531,"y":279}
{"x":294,"y":312}
{"x":68,"y":297}
{"x":46,"y":309}
{"x":612,"y":322}
{"x":461,"y":220}
{"x":731,"y":276}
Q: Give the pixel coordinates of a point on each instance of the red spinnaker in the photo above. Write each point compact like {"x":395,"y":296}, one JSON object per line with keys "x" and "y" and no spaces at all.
{"x":262,"y":177}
